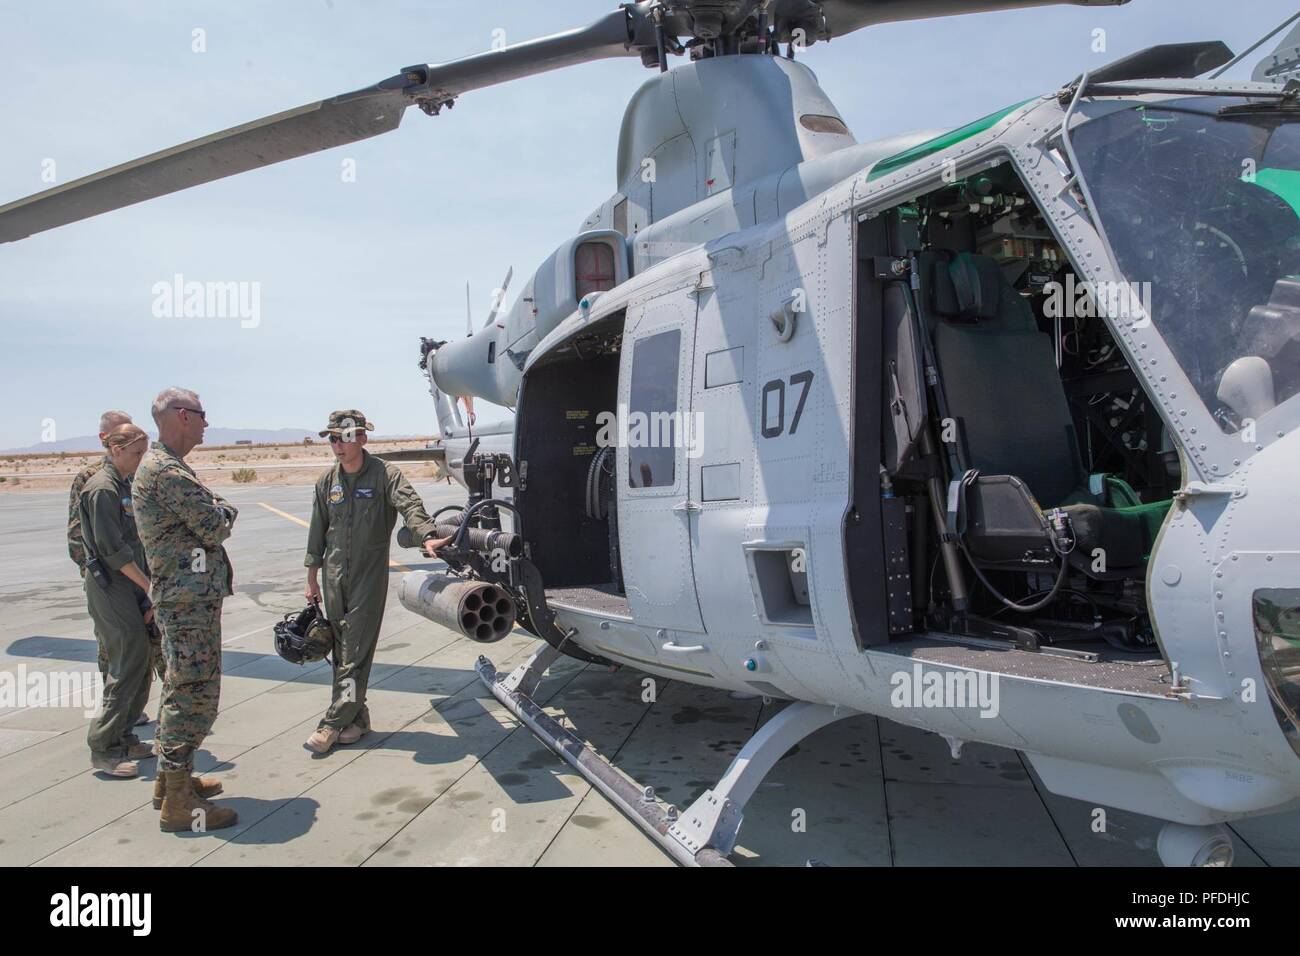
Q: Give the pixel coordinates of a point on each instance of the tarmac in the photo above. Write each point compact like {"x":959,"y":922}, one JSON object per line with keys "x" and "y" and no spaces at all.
{"x":448,"y":778}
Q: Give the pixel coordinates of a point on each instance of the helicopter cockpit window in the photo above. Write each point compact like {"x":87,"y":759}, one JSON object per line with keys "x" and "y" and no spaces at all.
{"x":594,"y":267}
{"x":652,"y":411}
{"x":1201,"y":202}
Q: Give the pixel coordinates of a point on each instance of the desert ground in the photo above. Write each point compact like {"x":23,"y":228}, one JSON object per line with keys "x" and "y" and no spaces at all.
{"x":447,"y":765}
{"x":218,"y":465}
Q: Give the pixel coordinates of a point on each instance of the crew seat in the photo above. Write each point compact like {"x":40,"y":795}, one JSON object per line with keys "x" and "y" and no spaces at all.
{"x":999,"y":376}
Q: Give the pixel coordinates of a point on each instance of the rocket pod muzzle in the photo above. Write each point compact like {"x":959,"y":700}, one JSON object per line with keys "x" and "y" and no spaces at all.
{"x":481,"y":611}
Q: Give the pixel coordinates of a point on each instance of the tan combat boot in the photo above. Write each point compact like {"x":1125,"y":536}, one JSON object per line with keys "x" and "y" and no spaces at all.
{"x":114,"y":766}
{"x":322,"y":740}
{"x":180,"y":803}
{"x":204,"y":787}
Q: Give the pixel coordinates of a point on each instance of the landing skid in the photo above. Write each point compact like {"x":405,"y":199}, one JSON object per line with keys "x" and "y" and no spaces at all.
{"x":705,"y":833}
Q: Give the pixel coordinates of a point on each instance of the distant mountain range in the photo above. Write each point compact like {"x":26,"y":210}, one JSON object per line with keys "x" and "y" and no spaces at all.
{"x":213,"y":436}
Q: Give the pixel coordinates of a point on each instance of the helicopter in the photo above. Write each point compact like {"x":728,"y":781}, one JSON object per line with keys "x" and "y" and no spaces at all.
{"x":989,"y":432}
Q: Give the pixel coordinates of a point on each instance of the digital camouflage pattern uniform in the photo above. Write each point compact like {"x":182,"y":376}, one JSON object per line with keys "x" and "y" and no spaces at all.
{"x":77,"y":547}
{"x":352,"y":521}
{"x":182,"y":524}
{"x":107,"y":531}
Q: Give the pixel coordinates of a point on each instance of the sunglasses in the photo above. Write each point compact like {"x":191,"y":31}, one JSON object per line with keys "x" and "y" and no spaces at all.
{"x":193,"y":411}
{"x":127,"y":444}
{"x":335,"y":439}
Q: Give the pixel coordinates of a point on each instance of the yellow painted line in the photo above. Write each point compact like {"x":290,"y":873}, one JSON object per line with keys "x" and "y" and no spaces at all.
{"x":284,"y":514}
{"x":296,"y":520}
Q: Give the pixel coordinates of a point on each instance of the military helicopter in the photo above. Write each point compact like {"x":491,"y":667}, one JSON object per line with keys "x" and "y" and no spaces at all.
{"x":990,"y":432}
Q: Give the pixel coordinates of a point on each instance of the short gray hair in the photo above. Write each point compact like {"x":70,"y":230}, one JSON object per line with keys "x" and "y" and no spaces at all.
{"x":168,"y":397}
{"x":111,"y":419}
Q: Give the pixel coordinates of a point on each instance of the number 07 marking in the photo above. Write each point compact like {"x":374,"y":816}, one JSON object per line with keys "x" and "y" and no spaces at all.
{"x":777,"y":387}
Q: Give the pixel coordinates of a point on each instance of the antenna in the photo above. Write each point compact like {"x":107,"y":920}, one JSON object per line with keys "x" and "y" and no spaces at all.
{"x":1254,"y":46}
{"x":499,"y":296}
{"x":469,"y":321}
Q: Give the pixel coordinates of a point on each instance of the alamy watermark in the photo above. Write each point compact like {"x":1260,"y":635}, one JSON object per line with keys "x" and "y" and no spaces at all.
{"x":23,"y":689}
{"x":181,"y":299}
{"x":75,"y":909}
{"x":638,"y":429}
{"x":946,"y":690}
{"x":1130,"y":301}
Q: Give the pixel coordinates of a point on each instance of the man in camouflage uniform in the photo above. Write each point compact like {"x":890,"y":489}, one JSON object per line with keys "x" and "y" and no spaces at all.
{"x":116,"y":581}
{"x":76,"y":547}
{"x":182,"y":524}
{"x":355,"y":506}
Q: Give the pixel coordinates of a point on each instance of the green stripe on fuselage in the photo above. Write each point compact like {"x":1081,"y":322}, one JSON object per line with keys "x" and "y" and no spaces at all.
{"x":931,"y":146}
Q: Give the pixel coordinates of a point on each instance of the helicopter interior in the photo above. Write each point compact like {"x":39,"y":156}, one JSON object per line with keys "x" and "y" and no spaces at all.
{"x":566,"y":490}
{"x":1024,"y":473}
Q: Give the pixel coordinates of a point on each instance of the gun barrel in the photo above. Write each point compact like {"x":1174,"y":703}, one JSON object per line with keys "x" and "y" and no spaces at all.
{"x":481,"y":540}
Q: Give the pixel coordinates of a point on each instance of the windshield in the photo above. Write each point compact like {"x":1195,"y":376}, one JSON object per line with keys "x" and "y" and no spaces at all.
{"x":1202,"y":210}
{"x":1277,"y":631}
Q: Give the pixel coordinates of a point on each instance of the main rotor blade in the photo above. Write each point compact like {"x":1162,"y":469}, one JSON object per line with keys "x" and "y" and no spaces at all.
{"x":845,"y":16}
{"x":308,"y":129}
{"x":812,"y":20}
{"x":297,"y":132}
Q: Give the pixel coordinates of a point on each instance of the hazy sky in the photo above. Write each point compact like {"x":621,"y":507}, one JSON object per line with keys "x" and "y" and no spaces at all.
{"x":352,"y":273}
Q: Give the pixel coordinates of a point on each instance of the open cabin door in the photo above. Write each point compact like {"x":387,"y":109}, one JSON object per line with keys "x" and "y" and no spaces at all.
{"x":655,"y":498}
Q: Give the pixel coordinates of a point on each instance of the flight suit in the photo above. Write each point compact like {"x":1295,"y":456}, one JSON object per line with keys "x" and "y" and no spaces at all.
{"x":108,"y":532}
{"x":182,"y":524}
{"x":76,"y":546}
{"x":352,"y":521}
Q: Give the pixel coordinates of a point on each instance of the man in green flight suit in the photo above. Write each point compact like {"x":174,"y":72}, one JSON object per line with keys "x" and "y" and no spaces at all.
{"x":182,"y":524}
{"x":355,"y":506}
{"x":76,"y":546}
{"x":116,"y":583}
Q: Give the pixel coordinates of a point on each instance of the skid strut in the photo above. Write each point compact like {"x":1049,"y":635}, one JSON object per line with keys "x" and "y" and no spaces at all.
{"x":705,"y":832}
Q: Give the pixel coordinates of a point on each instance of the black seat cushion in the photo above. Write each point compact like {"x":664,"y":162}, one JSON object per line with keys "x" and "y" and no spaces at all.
{"x":1000,"y":378}
{"x":1002,"y":385}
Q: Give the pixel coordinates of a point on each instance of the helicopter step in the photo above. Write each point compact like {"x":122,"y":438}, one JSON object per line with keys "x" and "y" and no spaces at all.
{"x":703,"y":834}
